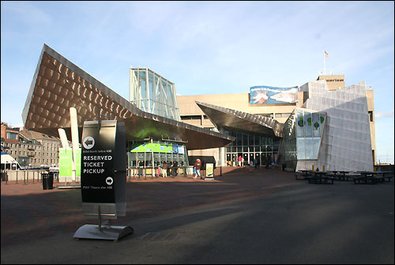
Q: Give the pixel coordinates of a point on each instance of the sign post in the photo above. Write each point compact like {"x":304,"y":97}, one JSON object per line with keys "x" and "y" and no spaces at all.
{"x":209,"y":171}
{"x":103,"y":179}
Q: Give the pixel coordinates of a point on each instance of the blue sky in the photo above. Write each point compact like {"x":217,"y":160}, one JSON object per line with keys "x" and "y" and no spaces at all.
{"x":205,"y":47}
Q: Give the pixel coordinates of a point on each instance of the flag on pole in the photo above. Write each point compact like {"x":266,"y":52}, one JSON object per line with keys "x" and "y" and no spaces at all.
{"x":326,"y":54}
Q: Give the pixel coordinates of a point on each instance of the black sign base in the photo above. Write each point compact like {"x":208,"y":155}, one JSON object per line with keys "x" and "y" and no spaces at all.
{"x":113,"y":233}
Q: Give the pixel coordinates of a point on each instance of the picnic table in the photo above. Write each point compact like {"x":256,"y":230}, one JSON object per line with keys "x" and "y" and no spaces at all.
{"x":303,"y":174}
{"x":369,"y":177}
{"x":340,"y":175}
{"x":386,"y":175}
{"x":320,"y":177}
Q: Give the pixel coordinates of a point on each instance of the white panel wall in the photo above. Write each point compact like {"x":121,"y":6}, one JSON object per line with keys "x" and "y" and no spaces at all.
{"x":346,"y":142}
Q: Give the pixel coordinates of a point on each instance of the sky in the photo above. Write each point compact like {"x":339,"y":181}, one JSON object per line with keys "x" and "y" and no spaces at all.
{"x":206,"y":47}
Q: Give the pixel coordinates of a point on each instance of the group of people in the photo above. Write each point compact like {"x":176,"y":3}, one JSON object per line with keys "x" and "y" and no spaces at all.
{"x":163,"y":169}
{"x":267,"y":161}
{"x":166,"y":169}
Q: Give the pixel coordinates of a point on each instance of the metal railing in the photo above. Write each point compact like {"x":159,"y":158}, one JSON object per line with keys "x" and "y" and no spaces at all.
{"x":23,"y":176}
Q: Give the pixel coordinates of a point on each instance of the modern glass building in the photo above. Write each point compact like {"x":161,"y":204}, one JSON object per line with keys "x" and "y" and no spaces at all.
{"x":319,"y":124}
{"x":251,"y":147}
{"x":153,"y":93}
{"x":58,"y":85}
{"x":346,"y":142}
{"x":257,"y":137}
{"x":302,"y":138}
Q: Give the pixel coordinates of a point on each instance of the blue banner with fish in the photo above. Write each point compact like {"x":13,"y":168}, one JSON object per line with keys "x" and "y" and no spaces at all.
{"x":273,"y":95}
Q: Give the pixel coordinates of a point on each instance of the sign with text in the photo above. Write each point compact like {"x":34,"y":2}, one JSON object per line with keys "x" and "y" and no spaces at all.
{"x":209,"y":170}
{"x":97,"y":163}
{"x":103,"y":178}
{"x":103,"y":164}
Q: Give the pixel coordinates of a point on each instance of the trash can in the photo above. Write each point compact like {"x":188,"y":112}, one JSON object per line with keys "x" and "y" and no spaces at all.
{"x":47,"y":179}
{"x":4,"y":176}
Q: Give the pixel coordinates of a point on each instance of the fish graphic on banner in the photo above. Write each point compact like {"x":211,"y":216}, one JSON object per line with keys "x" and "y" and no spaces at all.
{"x":273,"y":95}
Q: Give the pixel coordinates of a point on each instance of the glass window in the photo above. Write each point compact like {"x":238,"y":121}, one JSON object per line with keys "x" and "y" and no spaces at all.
{"x":251,"y":139}
{"x":245,"y":139}
{"x":300,"y":124}
{"x":316,"y":124}
{"x":151,"y":85}
{"x":309,"y":125}
{"x":258,"y":140}
{"x":238,"y":140}
{"x":12,"y":136}
{"x":163,"y":157}
{"x":143,"y":88}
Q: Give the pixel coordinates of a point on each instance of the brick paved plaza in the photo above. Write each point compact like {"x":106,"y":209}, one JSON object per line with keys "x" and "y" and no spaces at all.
{"x":260,"y":216}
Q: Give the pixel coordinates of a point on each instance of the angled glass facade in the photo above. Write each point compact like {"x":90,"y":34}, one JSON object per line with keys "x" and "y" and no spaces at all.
{"x":153,"y":93}
{"x":309,"y":129}
{"x":302,"y":137}
{"x":252,"y":147}
{"x":331,"y":133}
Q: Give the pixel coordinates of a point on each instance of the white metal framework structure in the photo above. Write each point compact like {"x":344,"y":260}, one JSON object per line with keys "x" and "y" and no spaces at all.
{"x":153,"y":93}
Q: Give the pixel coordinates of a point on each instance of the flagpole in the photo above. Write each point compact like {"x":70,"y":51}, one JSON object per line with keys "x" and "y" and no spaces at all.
{"x":324,"y":63}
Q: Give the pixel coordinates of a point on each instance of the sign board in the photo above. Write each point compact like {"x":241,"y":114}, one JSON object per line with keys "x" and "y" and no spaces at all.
{"x":103,"y":168}
{"x":103,"y":178}
{"x":209,"y":170}
{"x":273,"y":95}
{"x":158,"y":148}
{"x":65,"y":164}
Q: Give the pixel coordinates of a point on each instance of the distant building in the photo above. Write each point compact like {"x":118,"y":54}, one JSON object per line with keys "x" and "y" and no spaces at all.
{"x":333,"y":82}
{"x":30,"y":148}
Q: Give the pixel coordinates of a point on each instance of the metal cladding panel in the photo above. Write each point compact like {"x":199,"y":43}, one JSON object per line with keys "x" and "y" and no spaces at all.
{"x":58,"y":85}
{"x":234,"y":119}
{"x":346,"y":143}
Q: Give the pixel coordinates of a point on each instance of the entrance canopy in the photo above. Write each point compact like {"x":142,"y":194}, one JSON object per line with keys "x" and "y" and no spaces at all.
{"x":58,"y":84}
{"x":234,"y":119}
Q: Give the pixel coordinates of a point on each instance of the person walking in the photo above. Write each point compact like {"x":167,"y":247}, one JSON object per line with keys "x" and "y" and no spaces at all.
{"x":175,"y":168}
{"x":158,"y":169}
{"x":140,"y":165}
{"x":196,"y":168}
{"x":239,"y":159}
{"x":169,"y":165}
{"x":164,"y":170}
